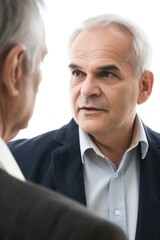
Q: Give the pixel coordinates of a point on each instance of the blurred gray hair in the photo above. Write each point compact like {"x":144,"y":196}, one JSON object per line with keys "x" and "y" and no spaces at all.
{"x":140,"y":53}
{"x":18,"y":20}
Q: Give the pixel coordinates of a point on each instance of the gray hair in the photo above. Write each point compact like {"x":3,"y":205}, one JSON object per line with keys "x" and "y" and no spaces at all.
{"x":17,"y":25}
{"x":140,"y":53}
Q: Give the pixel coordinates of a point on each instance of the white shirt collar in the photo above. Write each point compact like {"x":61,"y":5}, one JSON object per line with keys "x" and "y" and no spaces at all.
{"x":139,"y":136}
{"x":8,"y":163}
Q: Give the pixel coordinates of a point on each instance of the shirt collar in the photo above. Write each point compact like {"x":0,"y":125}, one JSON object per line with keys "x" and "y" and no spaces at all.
{"x":8,"y":163}
{"x":139,"y":136}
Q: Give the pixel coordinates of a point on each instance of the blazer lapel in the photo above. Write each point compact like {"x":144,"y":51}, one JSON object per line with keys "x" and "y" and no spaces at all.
{"x":68,"y":171}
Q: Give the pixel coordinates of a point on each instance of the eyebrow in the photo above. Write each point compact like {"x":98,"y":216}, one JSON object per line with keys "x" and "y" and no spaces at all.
{"x":102,"y":68}
{"x":109,"y":68}
{"x":73,"y":66}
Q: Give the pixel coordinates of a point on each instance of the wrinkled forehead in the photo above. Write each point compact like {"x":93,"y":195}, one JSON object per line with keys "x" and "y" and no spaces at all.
{"x":101,"y":43}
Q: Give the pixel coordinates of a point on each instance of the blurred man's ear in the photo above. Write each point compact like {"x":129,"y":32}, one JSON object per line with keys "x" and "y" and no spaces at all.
{"x":13,"y":69}
{"x":145,"y":86}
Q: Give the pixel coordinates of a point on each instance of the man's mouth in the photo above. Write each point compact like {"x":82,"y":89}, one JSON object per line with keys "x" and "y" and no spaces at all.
{"x":90,"y":108}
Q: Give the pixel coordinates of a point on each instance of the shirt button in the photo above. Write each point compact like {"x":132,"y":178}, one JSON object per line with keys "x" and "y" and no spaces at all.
{"x":116,"y":175}
{"x":117,"y":212}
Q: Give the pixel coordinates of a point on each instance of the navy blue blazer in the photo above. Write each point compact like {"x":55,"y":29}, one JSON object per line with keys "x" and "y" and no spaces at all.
{"x":53,"y":159}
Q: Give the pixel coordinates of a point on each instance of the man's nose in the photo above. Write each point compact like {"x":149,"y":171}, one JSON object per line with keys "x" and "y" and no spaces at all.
{"x":90,"y":87}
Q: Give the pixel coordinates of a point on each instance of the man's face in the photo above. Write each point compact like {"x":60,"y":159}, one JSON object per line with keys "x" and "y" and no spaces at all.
{"x":103,"y":88}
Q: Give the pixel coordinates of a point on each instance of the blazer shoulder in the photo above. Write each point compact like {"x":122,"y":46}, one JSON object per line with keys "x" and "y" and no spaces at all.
{"x":34,"y":156}
{"x":153,"y":137}
{"x":52,"y":138}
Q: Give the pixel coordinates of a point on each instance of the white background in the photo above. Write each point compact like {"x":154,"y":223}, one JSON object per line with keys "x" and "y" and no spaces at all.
{"x":52,"y":108}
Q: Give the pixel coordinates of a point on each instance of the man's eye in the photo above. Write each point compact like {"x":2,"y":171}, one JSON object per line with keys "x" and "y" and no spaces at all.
{"x":106,"y":74}
{"x":77,"y":73}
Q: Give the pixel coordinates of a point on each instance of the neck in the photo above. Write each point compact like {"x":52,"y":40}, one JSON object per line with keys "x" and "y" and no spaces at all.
{"x":114,"y":147}
{"x":5,"y":134}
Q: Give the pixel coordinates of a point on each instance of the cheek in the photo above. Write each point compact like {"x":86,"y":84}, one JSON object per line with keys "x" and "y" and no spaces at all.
{"x":117,"y":99}
{"x":125,"y":101}
{"x":74,"y":91}
{"x":74,"y":96}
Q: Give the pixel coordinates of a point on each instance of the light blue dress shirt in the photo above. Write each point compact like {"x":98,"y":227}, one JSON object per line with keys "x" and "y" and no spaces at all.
{"x":113,"y":193}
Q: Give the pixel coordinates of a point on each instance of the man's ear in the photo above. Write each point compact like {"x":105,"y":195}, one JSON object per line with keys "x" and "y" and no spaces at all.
{"x":13,"y":69}
{"x":145,"y":86}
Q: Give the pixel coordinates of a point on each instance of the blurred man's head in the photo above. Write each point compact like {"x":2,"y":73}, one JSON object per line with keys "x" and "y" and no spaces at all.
{"x":22,"y":50}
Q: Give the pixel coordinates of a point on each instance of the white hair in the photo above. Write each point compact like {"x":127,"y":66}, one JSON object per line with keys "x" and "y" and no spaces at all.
{"x":140,"y":53}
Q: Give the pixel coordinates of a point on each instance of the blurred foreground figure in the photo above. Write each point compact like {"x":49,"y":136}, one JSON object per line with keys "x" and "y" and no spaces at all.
{"x":28,"y":212}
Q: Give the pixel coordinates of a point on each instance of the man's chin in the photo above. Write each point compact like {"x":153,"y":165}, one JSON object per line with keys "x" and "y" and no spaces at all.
{"x":25,"y":126}
{"x":89,"y":127}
